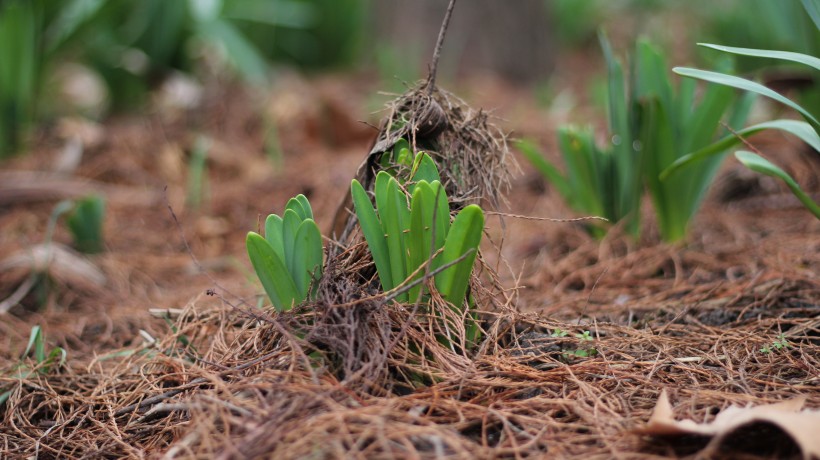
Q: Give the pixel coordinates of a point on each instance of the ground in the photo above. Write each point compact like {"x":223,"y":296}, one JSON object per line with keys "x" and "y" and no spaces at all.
{"x":172,"y":357}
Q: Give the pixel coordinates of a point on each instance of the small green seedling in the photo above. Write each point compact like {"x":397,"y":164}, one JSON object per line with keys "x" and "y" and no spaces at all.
{"x":557,"y":333}
{"x":779,"y":344}
{"x":43,"y":362}
{"x":288,"y":260}
{"x":85,"y":221}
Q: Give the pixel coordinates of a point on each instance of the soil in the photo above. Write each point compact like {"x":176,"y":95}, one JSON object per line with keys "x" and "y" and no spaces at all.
{"x":171,"y":358}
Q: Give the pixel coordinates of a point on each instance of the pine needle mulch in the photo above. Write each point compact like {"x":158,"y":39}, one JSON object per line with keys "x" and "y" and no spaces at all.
{"x":354,"y":375}
{"x":365,"y":381}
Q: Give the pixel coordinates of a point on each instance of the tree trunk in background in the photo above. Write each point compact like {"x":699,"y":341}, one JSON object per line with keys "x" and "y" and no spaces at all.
{"x":510,"y":38}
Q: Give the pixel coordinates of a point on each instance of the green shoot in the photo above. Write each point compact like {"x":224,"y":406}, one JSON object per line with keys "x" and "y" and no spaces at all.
{"x":85,"y":222}
{"x":288,"y":260}
{"x":402,"y":237}
{"x":43,"y":361}
{"x":198,"y":173}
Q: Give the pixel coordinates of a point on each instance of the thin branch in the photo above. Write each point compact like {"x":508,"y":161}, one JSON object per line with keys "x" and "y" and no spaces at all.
{"x":437,"y":50}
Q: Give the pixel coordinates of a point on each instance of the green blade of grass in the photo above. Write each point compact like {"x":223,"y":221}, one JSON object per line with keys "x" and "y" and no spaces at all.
{"x":272,"y":272}
{"x":763,"y":166}
{"x":747,"y":85}
{"x":465,"y":236}
{"x":799,"y":58}
{"x":800,"y":129}
{"x":373,"y":233}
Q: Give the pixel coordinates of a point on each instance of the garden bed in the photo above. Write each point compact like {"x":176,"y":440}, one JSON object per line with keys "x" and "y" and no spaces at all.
{"x":173,"y":358}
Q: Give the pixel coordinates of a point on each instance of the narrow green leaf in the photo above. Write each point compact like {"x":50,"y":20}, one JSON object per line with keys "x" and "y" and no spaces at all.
{"x":441,"y":216}
{"x":394,"y":225}
{"x":273,"y":234}
{"x":35,"y":341}
{"x":799,"y":58}
{"x":243,"y":54}
{"x":307,"y":264}
{"x":465,"y":236}
{"x":420,"y":238}
{"x":401,"y":144}
{"x":550,"y":172}
{"x":798,"y":128}
{"x":380,"y":194}
{"x":747,"y":85}
{"x":813,"y":8}
{"x":290,"y":225}
{"x":580,"y":156}
{"x":373,"y":233}
{"x":763,"y":166}
{"x":271,"y":271}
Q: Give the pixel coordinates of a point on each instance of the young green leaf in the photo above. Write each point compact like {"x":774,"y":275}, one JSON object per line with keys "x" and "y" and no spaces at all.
{"x":297,"y":206}
{"x":441,"y":217}
{"x":464,"y":238}
{"x":799,"y":58}
{"x":761,"y":165}
{"x":747,"y":85}
{"x":424,"y":168}
{"x":373,"y":233}
{"x":85,"y":223}
{"x":419,"y":240}
{"x":307,"y":250}
{"x":290,"y":225}
{"x":273,"y":234}
{"x":395,"y":220}
{"x":272,"y":272}
{"x":798,"y":128}
{"x":305,"y":206}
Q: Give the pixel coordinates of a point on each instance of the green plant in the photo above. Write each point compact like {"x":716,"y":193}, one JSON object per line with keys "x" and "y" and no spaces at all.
{"x":779,"y":344}
{"x":43,"y":361}
{"x":85,"y":221}
{"x":288,"y":260}
{"x":651,"y":124}
{"x":808,"y":131}
{"x":198,"y":173}
{"x":402,"y":238}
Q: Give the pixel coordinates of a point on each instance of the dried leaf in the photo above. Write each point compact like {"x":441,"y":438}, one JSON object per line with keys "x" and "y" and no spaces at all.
{"x":801,"y":425}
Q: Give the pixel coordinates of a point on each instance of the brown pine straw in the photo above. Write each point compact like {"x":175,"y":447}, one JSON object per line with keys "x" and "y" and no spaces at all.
{"x":354,"y":376}
{"x":369,"y":380}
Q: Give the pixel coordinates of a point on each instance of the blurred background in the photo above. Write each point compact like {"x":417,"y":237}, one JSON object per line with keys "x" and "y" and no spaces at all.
{"x":98,"y":58}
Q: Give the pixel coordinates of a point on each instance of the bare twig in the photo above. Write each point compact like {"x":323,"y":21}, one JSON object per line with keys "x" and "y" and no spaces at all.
{"x":437,"y":50}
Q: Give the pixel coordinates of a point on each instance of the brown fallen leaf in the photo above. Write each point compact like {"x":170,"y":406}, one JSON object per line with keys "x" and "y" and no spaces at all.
{"x":801,"y":425}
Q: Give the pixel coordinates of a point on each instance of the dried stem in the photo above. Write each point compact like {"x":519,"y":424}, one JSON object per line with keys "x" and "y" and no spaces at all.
{"x":437,"y":50}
